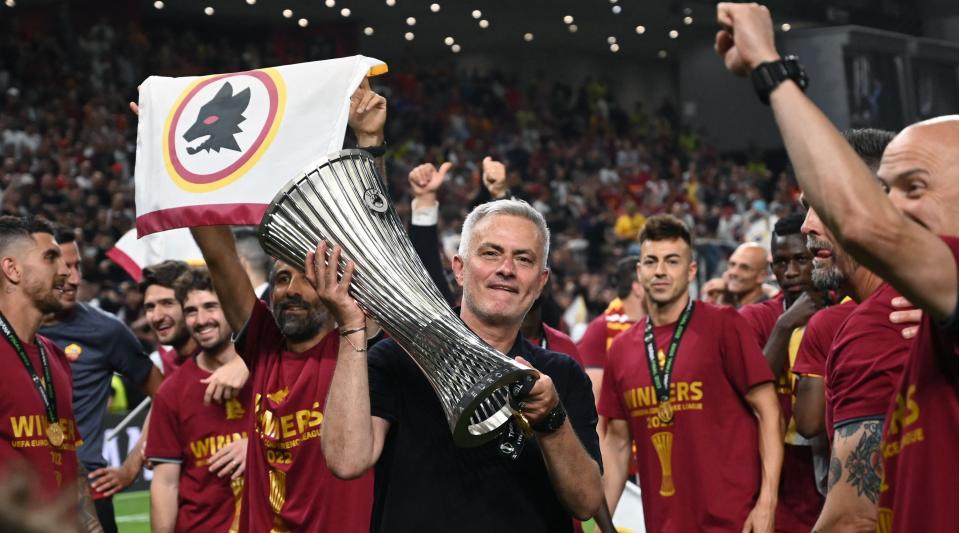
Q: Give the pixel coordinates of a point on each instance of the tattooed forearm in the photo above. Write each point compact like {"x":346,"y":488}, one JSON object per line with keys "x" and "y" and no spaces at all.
{"x":864,"y":464}
{"x":835,"y":472}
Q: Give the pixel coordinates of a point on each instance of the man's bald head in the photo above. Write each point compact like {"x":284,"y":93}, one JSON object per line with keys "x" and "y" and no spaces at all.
{"x":921,"y":168}
{"x":747,"y":269}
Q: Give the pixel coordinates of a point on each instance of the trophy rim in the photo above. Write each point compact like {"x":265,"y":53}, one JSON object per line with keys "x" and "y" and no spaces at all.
{"x":261,"y":230}
{"x":462,"y":436}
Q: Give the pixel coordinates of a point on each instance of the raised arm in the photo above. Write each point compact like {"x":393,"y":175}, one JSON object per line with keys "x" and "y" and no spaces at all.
{"x":367,"y":120}
{"x":425,"y":180}
{"x":352,"y":438}
{"x":232,"y":285}
{"x":835,"y":181}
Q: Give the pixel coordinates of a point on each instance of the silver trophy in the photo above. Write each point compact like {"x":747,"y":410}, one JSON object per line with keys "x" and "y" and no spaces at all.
{"x":342,"y":199}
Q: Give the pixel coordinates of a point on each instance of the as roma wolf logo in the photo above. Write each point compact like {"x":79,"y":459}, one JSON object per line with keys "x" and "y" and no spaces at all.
{"x":219,"y":120}
{"x":220,"y":126}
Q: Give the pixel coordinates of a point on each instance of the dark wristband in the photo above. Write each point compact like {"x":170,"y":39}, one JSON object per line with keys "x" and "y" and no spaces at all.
{"x":375,"y":151}
{"x":553,"y":421}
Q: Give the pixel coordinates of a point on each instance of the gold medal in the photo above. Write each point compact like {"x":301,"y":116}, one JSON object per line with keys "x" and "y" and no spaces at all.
{"x":55,"y":434}
{"x":665,"y":412}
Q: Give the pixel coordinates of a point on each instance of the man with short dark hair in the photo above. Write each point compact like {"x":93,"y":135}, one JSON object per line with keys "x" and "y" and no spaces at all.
{"x":778,"y":325}
{"x":38,"y":430}
{"x":688,"y":384}
{"x":164,"y":313}
{"x":198,"y":449}
{"x":97,"y":345}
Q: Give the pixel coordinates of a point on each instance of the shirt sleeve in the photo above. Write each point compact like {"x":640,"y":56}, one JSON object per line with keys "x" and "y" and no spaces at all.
{"x":610,"y":396}
{"x":581,"y":410}
{"x":592,"y":345}
{"x":383,"y":379}
{"x":753,"y":315}
{"x":743,"y":360}
{"x":260,"y":334}
{"x":127,"y":356}
{"x":163,"y":443}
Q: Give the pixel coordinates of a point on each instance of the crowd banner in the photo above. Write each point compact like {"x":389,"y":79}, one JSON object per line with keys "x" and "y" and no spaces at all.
{"x":216,"y":149}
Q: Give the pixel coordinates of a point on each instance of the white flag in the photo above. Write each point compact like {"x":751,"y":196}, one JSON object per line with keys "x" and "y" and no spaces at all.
{"x":216,"y":149}
{"x":134,"y":254}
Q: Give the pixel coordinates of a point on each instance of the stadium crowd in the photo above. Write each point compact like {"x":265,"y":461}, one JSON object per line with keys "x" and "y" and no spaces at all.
{"x":594,"y":163}
{"x":751,"y":349}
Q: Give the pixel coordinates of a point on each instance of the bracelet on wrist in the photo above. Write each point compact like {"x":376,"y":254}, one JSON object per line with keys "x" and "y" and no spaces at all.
{"x":346,"y":331}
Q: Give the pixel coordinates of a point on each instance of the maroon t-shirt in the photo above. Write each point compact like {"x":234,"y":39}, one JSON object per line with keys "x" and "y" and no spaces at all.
{"x":185,"y":431}
{"x":23,"y":437}
{"x":173,"y":360}
{"x":600,"y":333}
{"x":700,"y":472}
{"x":558,"y":341}
{"x":817,"y":339}
{"x":799,"y":500}
{"x":288,"y":485}
{"x":762,"y":316}
{"x":865,"y":362}
{"x":921,"y":432}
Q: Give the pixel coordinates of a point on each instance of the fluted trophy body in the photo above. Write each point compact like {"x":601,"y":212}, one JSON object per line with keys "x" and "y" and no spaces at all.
{"x":342,"y":199}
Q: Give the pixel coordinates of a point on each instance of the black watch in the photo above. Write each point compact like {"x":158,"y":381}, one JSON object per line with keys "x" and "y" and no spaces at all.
{"x":767,"y":76}
{"x":553,"y":421}
{"x":375,"y":151}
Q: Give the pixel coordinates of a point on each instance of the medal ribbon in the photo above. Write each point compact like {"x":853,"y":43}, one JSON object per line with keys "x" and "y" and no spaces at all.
{"x":47,"y":394}
{"x":661,"y":377}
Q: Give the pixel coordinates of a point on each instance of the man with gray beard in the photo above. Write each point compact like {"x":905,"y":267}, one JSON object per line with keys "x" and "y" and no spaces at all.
{"x":863,"y":367}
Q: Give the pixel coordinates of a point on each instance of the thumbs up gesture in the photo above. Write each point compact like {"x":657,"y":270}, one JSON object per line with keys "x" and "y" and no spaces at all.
{"x":494,"y":178}
{"x":425,"y":180}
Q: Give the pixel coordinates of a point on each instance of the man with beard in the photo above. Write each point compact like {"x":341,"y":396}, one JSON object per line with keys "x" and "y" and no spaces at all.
{"x":198,"y":449}
{"x":745,"y":273}
{"x":383,"y":413}
{"x":906,"y":237}
{"x":829,"y":274}
{"x":164,"y":313}
{"x":778,"y":325}
{"x":39,"y":431}
{"x":863,"y":368}
{"x":697,"y":400}
{"x":291,"y":349}
{"x":97,"y":345}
